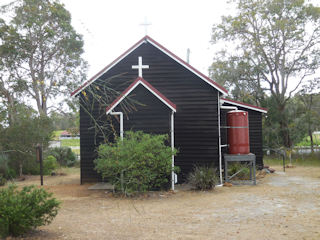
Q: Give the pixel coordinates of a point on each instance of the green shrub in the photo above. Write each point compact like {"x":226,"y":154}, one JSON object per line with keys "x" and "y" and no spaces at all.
{"x":20,"y":138}
{"x":235,"y":167}
{"x":11,"y":173}
{"x":5,"y":170}
{"x":203,"y":177}
{"x":24,"y":210}
{"x":3,"y":180}
{"x":64,"y":156}
{"x":139,"y":163}
{"x":33,"y":167}
{"x":49,"y":165}
{"x":4,"y":164}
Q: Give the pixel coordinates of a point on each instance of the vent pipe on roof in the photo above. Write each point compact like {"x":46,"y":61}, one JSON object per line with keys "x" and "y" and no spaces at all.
{"x":188,"y":55}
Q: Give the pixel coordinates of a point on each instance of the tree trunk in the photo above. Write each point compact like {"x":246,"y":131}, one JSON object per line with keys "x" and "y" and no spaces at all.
{"x":284,"y":129}
{"x":11,"y":110}
{"x":285,"y":134}
{"x":42,"y":106}
{"x":43,"y":110}
{"x":20,"y":169}
{"x":11,"y":105}
{"x":311,"y":139}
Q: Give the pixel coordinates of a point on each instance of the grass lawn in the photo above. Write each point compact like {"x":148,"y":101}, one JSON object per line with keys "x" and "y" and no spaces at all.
{"x":308,"y":160}
{"x":56,"y":134}
{"x":76,"y":151}
{"x":307,"y":143}
{"x":70,"y":142}
{"x":70,"y":170}
{"x":67,"y":142}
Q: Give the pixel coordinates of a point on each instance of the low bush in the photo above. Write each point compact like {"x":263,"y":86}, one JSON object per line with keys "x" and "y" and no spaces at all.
{"x":49,"y":165}
{"x":24,"y":210}
{"x":203,"y":177}
{"x":19,"y":139}
{"x":6,"y":171}
{"x":139,"y":163}
{"x":4,"y":160}
{"x":244,"y":174}
{"x":3,"y":180}
{"x":64,"y":156}
{"x":33,"y":167}
{"x":11,"y":173}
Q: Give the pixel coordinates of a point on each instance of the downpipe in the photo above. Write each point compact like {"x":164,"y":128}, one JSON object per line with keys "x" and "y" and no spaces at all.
{"x":219,"y":132}
{"x":172,"y":148}
{"x":120,"y":114}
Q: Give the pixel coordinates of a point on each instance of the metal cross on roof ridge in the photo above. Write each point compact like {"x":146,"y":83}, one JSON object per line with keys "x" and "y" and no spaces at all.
{"x":146,"y":24}
{"x":140,"y":66}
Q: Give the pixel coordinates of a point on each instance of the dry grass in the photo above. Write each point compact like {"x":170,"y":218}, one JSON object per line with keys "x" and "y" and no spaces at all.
{"x":281,"y":206}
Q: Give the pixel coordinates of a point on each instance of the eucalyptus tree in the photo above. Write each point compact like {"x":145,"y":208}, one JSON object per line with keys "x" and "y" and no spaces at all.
{"x":275,"y":46}
{"x":10,"y":86}
{"x":49,"y":59}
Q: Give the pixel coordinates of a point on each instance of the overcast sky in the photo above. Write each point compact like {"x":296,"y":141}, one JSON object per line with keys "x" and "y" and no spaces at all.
{"x":111,"y":27}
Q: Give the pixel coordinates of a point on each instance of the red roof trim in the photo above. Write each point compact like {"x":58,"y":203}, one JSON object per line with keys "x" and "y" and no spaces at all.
{"x":106,"y":67}
{"x":152,"y":41}
{"x":65,"y":133}
{"x":260,"y":109}
{"x":147,"y":85}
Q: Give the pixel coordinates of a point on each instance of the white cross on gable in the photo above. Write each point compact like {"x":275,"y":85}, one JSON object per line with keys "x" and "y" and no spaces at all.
{"x":140,"y":66}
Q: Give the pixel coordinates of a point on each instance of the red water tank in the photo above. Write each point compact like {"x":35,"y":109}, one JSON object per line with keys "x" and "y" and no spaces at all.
{"x":238,"y":132}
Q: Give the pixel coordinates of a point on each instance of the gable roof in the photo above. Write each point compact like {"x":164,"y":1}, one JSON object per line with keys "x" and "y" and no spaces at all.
{"x":244,"y":105}
{"x":149,"y":87}
{"x":161,"y":48}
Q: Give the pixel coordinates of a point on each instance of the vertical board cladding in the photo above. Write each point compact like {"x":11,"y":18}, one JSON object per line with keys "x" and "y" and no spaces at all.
{"x":255,"y":132}
{"x":87,"y":146}
{"x":196,"y":119}
{"x":150,"y":114}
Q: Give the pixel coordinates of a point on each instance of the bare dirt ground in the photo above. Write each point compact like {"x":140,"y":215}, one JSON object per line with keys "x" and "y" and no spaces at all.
{"x":281,"y":206}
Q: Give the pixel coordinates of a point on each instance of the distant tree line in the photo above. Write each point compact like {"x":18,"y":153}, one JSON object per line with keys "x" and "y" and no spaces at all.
{"x":271,"y":55}
{"x":40,"y":63}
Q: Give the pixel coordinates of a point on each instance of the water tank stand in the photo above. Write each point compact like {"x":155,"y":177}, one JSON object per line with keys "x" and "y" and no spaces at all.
{"x":250,"y":159}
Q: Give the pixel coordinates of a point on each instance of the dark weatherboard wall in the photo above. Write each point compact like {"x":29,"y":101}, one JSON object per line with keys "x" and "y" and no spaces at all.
{"x":196,"y":119}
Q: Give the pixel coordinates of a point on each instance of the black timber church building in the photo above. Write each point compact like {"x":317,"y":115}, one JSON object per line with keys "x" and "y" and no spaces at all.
{"x":173,"y":98}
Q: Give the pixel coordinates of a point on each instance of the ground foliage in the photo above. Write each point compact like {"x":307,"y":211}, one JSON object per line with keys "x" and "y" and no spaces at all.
{"x":243,"y":169}
{"x":203,"y":177}
{"x":18,"y":140}
{"x":64,"y":156}
{"x":6,"y":172}
{"x":22,"y":211}
{"x":3,"y":180}
{"x":139,"y":163}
